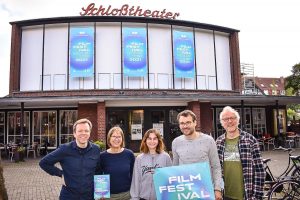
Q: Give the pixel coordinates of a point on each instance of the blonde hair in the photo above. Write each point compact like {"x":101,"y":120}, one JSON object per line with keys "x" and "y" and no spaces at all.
{"x":160,"y":146}
{"x":113,"y":130}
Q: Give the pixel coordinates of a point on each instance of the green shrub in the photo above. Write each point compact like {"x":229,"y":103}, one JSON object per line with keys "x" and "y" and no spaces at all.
{"x":100,"y":144}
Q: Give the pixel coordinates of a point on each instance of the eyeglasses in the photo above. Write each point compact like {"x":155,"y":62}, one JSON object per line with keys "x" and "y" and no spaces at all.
{"x":188,"y":123}
{"x":228,"y":118}
{"x":116,"y":137}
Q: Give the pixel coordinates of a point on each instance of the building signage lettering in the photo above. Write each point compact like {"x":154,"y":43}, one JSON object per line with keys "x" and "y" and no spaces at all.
{"x":126,"y":10}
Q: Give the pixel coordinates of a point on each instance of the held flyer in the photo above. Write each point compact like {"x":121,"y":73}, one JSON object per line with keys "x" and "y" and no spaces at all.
{"x":191,"y":181}
{"x":101,"y":186}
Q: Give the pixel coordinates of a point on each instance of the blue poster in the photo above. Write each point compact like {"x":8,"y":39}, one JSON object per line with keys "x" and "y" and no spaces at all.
{"x":82,"y":52}
{"x":184,"y":54}
{"x":101,"y":186}
{"x":192,"y":181}
{"x":134,"y":52}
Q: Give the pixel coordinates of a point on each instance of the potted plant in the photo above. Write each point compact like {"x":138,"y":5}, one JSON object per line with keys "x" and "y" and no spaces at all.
{"x":100,"y":144}
{"x":20,"y":154}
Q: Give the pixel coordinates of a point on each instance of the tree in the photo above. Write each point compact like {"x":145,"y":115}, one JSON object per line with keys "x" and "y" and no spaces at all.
{"x":3,"y":192}
{"x":292,"y":82}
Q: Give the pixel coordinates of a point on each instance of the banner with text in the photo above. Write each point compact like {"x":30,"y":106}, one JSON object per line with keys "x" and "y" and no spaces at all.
{"x":184,"y":54}
{"x":81,"y":52}
{"x":192,"y":181}
{"x":101,"y":186}
{"x":134,"y":52}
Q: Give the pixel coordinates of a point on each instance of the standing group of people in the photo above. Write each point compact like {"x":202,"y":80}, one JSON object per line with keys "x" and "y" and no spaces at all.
{"x":235,"y":160}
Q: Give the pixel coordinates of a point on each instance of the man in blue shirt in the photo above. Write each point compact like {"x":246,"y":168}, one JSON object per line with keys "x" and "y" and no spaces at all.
{"x":79,"y":160}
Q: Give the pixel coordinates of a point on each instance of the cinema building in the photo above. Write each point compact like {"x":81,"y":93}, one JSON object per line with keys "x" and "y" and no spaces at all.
{"x":134,"y":72}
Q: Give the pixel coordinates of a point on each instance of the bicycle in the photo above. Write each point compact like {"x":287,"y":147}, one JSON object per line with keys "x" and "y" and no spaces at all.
{"x":281,"y":186}
{"x":285,"y":189}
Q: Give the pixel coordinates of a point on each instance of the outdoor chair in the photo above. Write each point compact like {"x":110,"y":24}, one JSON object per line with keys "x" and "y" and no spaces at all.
{"x":261,"y":144}
{"x":11,"y":151}
{"x":31,"y":148}
{"x":290,"y":139}
{"x":2,"y":147}
{"x":37,"y":147}
{"x":270,"y":141}
{"x":290,"y":142}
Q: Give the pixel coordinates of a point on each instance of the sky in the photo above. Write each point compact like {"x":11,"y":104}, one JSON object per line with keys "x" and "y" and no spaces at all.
{"x":269,"y":36}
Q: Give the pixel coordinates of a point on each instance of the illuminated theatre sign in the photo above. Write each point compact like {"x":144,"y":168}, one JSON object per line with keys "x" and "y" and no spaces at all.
{"x":126,"y":10}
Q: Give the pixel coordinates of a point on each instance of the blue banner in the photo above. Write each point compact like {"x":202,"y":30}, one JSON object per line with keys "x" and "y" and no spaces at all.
{"x":82,"y":52}
{"x":192,"y":181}
{"x":134,"y":52}
{"x":184,"y":54}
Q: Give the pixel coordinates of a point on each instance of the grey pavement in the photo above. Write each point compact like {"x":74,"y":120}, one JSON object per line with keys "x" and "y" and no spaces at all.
{"x":279,"y":160}
{"x":26,"y":181}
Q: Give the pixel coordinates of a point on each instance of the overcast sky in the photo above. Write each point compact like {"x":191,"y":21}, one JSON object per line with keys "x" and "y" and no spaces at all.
{"x":269,"y":29}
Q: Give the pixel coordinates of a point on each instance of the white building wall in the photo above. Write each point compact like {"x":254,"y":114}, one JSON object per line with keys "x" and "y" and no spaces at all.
{"x":205,"y":58}
{"x":160,"y":56}
{"x":108,"y":59}
{"x":31,"y":58}
{"x":223,"y":61}
{"x":108,"y":55}
{"x":56,"y":57}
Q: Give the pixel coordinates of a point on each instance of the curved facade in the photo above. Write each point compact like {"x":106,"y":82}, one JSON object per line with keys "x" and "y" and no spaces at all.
{"x":137,"y":73}
{"x":45,"y":62}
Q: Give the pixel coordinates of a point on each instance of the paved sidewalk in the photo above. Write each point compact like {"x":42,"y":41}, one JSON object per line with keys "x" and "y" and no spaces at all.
{"x":26,"y":181}
{"x":279,"y":160}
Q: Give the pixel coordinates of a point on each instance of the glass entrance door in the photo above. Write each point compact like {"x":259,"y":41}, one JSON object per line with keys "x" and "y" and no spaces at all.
{"x":119,"y":118}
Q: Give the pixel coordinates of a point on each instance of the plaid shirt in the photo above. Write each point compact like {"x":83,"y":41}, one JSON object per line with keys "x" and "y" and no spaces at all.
{"x":253,"y":169}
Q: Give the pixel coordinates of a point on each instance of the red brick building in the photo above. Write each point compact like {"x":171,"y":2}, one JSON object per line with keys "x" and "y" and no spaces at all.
{"x":133,"y":72}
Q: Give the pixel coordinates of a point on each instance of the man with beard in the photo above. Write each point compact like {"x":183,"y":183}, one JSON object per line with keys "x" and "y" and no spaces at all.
{"x":240,"y":157}
{"x":193,"y":147}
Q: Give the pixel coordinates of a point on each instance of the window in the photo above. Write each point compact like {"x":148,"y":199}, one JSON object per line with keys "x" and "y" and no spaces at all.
{"x":66,"y":120}
{"x":44,"y":127}
{"x":136,"y":124}
{"x":266,"y":92}
{"x":282,"y":121}
{"x":2,"y":122}
{"x":259,"y":122}
{"x":14,"y":127}
{"x":247,"y":119}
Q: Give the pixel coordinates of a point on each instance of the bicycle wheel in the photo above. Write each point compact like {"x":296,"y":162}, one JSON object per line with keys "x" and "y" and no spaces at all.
{"x":296,"y":174}
{"x":285,"y":190}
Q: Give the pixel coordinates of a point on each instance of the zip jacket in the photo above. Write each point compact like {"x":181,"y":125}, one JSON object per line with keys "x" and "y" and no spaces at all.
{"x":78,"y":168}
